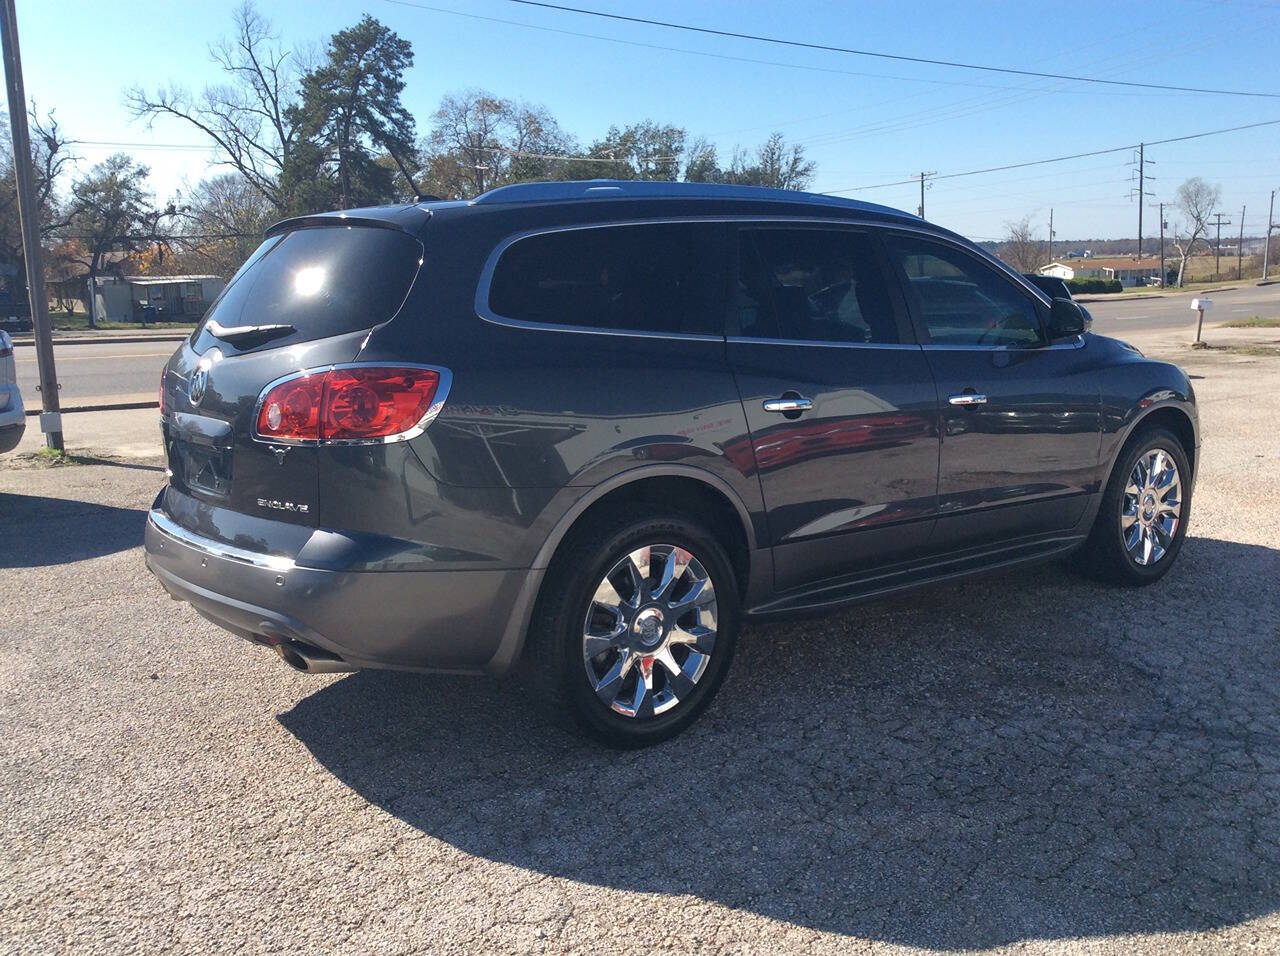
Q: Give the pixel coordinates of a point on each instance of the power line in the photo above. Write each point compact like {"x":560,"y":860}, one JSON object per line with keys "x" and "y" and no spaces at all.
{"x":946,"y":111}
{"x":735,"y":59}
{"x":1059,"y":159}
{"x":126,"y":145}
{"x":827,"y":48}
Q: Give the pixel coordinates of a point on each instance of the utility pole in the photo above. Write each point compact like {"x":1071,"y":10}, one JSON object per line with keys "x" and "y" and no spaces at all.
{"x":1240,"y":248}
{"x":1217,"y":245}
{"x":1266,"y":249}
{"x":1050,"y":234}
{"x":923,"y":177}
{"x":1141,"y":191}
{"x":1142,"y":175}
{"x":1163,"y":274}
{"x":32,"y":254}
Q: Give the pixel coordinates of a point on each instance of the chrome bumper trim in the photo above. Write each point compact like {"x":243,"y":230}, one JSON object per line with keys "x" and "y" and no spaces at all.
{"x":167,"y":527}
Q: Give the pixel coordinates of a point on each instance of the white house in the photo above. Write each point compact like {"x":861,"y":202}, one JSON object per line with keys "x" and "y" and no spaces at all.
{"x":1125,"y":268}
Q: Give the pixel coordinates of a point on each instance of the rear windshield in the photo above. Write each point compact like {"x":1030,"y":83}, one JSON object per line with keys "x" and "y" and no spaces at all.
{"x":321,"y":281}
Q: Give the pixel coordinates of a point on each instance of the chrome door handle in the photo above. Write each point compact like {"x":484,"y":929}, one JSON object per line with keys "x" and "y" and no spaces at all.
{"x":968,"y":398}
{"x":784,"y":405}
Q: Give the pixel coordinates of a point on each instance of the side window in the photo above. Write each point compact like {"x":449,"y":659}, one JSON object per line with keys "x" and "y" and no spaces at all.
{"x":961,"y":300}
{"x":819,"y":285}
{"x":663,"y":277}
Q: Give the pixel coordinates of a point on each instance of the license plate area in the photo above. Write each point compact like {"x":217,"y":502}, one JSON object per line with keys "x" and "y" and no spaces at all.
{"x":203,"y":468}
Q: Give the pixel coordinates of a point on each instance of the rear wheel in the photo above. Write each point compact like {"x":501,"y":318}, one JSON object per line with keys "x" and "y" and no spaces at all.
{"x":1142,"y":520}
{"x":637,"y":625}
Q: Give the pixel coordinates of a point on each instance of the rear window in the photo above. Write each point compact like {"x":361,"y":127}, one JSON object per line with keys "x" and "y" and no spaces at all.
{"x":322,"y":281}
{"x":661,"y":277}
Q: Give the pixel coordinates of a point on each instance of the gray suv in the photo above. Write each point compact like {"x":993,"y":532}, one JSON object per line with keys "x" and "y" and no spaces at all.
{"x":601,"y":424}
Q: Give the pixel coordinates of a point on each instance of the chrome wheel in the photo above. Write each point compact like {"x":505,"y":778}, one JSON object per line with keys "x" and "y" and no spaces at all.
{"x":1151,"y":507}
{"x":650,"y":630}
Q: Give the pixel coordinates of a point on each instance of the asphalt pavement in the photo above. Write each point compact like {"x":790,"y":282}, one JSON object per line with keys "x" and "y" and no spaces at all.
{"x":97,"y":373}
{"x":1124,"y":314}
{"x":1028,"y":762}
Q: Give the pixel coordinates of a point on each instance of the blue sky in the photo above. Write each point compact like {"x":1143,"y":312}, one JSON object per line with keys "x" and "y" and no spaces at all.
{"x":865,"y":121}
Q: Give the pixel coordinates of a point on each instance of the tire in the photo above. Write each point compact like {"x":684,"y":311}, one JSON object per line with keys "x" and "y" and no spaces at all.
{"x":645,"y":640}
{"x":1111,"y":553}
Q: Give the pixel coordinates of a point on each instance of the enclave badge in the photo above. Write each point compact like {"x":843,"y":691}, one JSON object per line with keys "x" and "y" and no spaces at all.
{"x":283,"y":505}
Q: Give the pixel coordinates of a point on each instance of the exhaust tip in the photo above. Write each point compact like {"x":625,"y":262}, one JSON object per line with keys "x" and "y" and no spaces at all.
{"x":311,"y":660}
{"x":291,"y":657}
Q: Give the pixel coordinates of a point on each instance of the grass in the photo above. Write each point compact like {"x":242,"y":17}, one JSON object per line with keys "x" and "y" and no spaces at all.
{"x":1252,"y":322}
{"x":52,"y":457}
{"x":79,"y":322}
{"x":49,"y":458}
{"x":1268,"y":351}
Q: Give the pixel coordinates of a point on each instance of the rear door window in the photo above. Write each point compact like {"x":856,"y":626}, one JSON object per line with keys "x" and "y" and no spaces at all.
{"x":812,"y":285}
{"x":661,"y":278}
{"x":321,"y":281}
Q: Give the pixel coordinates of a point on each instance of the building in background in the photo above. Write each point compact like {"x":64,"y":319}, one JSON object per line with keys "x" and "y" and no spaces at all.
{"x":1129,"y":271}
{"x":155,"y":298}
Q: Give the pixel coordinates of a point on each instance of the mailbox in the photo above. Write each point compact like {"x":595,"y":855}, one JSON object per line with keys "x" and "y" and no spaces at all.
{"x":1199,"y":305}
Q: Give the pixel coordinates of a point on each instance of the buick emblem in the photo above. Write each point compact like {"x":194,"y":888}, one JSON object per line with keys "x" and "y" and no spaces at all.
{"x":199,"y":382}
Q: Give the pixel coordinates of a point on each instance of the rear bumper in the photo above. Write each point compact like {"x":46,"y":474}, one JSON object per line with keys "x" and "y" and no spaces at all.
{"x":459,"y":621}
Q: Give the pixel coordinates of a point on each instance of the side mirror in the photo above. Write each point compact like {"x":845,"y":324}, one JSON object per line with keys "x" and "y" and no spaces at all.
{"x":1066,"y":319}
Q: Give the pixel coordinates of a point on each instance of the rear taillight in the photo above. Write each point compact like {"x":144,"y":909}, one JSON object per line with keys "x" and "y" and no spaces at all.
{"x":360,"y":403}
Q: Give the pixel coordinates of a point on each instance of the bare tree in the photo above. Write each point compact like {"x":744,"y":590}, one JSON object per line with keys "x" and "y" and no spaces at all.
{"x":465,"y":143}
{"x":248,"y":117}
{"x":1196,"y":200}
{"x":222,"y":224}
{"x":50,"y":157}
{"x":480,"y":141}
{"x":1021,"y":249}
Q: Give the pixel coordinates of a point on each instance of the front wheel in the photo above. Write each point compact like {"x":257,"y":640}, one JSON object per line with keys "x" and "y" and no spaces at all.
{"x":638,"y":624}
{"x":1142,"y":520}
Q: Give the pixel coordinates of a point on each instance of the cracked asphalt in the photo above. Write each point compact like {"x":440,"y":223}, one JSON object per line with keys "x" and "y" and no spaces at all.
{"x":1026,"y":762}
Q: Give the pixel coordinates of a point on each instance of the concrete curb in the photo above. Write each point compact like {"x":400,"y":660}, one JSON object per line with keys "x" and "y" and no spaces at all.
{"x":1138,"y":297}
{"x":112,"y":340}
{"x":114,"y":407}
{"x":1118,"y":297}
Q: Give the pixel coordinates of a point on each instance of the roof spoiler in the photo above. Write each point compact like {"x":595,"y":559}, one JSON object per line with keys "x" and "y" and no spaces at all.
{"x":333,"y":219}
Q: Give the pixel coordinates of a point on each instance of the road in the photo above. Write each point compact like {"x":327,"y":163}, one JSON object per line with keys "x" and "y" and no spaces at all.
{"x":107,"y":372}
{"x":1124,"y":315}
{"x":97,"y":373}
{"x":1027,"y":762}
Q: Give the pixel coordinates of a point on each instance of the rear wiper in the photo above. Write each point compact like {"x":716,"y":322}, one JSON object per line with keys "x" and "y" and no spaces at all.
{"x":247,"y":334}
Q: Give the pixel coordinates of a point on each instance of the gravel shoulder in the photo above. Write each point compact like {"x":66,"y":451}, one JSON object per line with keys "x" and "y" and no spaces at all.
{"x":1026,"y":762}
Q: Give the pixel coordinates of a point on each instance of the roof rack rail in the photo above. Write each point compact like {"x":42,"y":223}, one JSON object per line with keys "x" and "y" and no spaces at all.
{"x":559,"y":191}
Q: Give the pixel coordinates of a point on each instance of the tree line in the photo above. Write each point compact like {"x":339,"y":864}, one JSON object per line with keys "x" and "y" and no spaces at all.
{"x":299,"y":131}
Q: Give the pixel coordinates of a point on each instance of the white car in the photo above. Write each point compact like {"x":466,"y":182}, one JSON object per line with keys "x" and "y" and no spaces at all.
{"x":13,"y":417}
